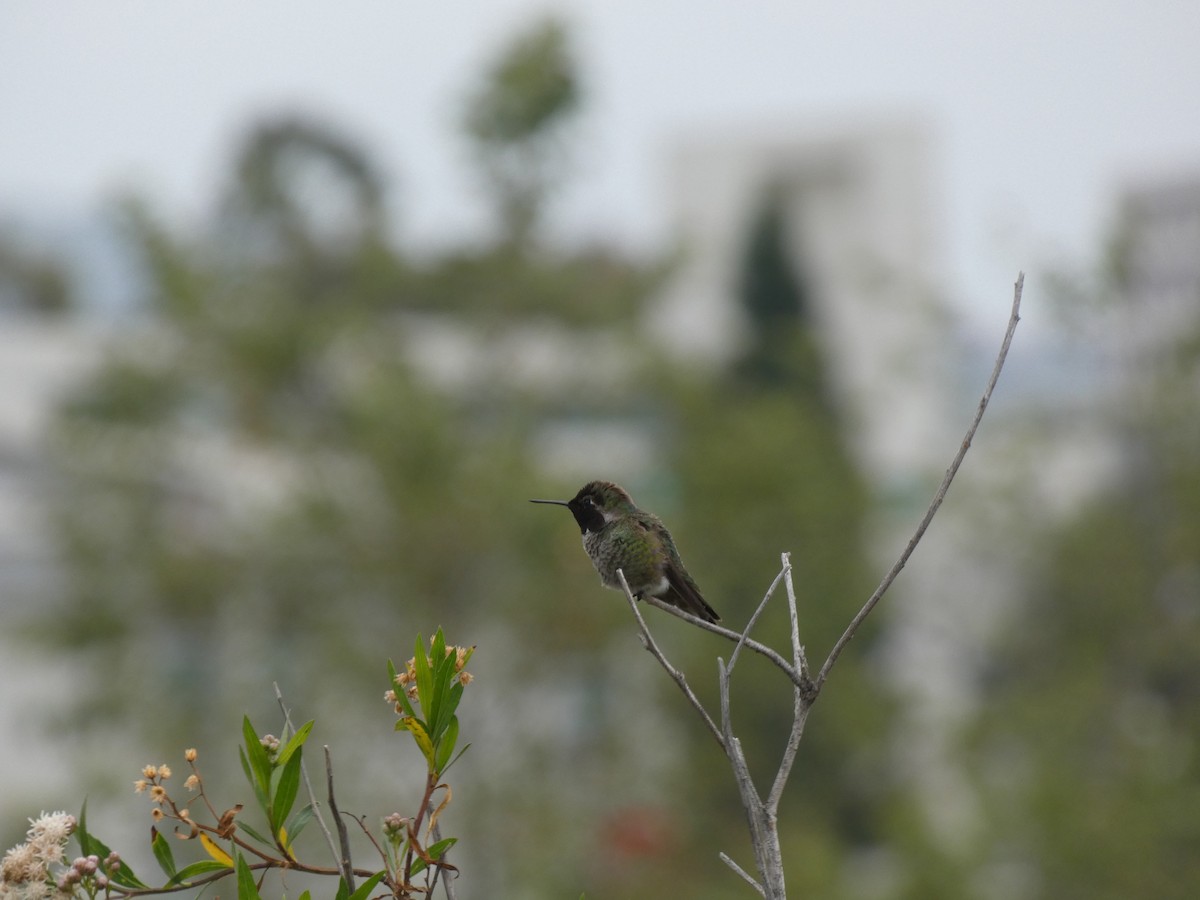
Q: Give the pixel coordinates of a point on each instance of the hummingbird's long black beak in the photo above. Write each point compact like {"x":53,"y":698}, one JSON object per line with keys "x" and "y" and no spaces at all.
{"x":553,"y":502}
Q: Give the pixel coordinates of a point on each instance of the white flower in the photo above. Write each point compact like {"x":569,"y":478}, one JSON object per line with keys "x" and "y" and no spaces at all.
{"x":19,"y":865}
{"x":26,"y":867}
{"x":48,"y":836}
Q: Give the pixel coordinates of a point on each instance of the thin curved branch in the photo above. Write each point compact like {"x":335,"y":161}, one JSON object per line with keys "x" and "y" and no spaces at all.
{"x":679,"y":678}
{"x":874,"y":599}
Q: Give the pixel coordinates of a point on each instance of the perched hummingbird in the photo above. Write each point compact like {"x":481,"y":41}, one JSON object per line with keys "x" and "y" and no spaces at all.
{"x":618,"y":535}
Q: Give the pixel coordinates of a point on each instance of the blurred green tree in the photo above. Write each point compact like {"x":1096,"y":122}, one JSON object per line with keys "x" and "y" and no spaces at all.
{"x":315,"y":443}
{"x":1084,"y":749}
{"x":783,"y":349}
{"x":32,"y":280}
{"x":517,"y":119}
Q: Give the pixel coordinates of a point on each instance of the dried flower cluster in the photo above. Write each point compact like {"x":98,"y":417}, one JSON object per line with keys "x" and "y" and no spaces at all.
{"x":153,"y":782}
{"x":407,"y":680}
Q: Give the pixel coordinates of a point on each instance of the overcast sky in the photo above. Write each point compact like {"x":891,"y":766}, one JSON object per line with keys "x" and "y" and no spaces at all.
{"x":1041,"y":110}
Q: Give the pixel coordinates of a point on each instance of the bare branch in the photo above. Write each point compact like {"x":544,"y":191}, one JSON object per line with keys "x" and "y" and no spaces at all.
{"x":801,"y":703}
{"x":742,"y":872}
{"x":799,"y":660}
{"x":436,"y":832}
{"x":764,"y":836}
{"x":343,"y":835}
{"x":649,"y":644}
{"x":849,"y":633}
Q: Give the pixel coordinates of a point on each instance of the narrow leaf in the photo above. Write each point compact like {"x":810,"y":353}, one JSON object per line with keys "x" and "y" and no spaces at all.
{"x":420,"y":735}
{"x":457,"y":756}
{"x":195,"y":870}
{"x":445,"y":746}
{"x":90,"y":844}
{"x":285,"y":792}
{"x":364,"y":889}
{"x":297,"y":822}
{"x":296,"y":742}
{"x":257,"y":835}
{"x":162,"y":852}
{"x":259,"y":763}
{"x":247,"y":889}
{"x":437,"y":848}
{"x":215,"y":852}
{"x":424,"y":676}
{"x":260,"y":791}
{"x":437,"y":646}
{"x":446,"y":708}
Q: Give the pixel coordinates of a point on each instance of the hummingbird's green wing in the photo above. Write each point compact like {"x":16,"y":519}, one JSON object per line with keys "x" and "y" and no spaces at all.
{"x":681,"y":590}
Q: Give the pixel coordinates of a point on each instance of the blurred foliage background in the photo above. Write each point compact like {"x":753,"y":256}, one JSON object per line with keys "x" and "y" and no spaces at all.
{"x":312,"y":444}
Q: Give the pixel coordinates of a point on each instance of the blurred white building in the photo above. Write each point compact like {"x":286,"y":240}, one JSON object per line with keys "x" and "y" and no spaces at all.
{"x":860,"y":210}
{"x":40,"y":358}
{"x":1160,"y":265}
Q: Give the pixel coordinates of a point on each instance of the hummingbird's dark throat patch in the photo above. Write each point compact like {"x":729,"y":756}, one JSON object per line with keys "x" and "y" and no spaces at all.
{"x":586,"y":516}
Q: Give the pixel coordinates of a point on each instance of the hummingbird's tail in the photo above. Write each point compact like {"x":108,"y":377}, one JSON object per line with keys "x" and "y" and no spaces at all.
{"x":682,"y":593}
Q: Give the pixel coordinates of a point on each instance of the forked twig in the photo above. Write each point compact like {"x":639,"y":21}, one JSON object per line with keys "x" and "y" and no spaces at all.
{"x":762,"y":649}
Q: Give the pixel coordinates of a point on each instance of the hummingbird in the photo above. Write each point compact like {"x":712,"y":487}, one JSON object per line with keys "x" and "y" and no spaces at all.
{"x":618,"y":535}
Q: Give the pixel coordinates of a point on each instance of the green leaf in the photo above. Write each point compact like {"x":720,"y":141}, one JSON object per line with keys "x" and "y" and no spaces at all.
{"x":364,"y":889}
{"x":259,"y":791}
{"x":443,"y":675}
{"x":296,"y":742}
{"x":305,"y":896}
{"x":297,"y":822}
{"x":90,"y":844}
{"x":195,"y":870}
{"x":445,"y":746}
{"x":424,"y":676}
{"x":285,"y":792}
{"x":266,"y":842}
{"x":342,"y":892}
{"x":247,"y":889}
{"x":256,"y":754}
{"x":446,"y":709}
{"x":435,"y":851}
{"x":437,"y":645}
{"x":162,"y":852}
{"x":457,"y":757}
{"x":440,"y":847}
